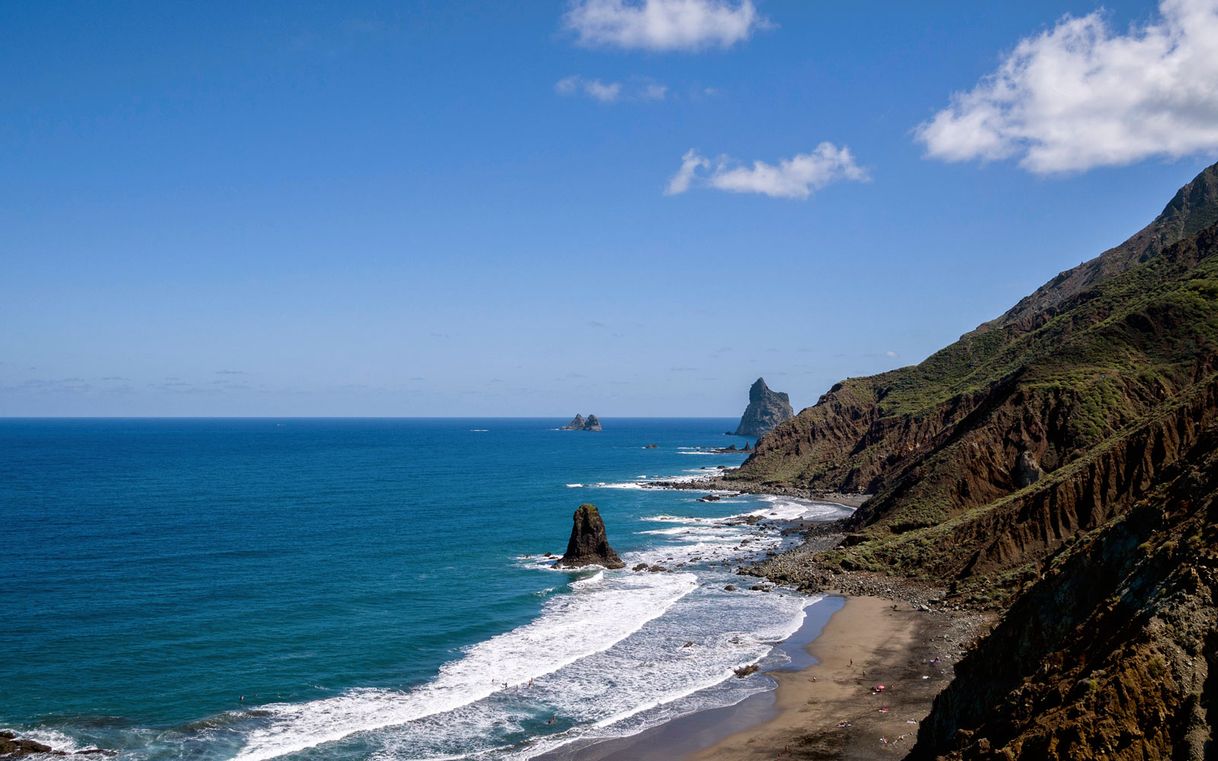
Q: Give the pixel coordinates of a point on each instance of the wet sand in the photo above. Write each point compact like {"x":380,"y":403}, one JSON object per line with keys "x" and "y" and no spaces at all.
{"x":834,"y":709}
{"x":697,"y":731}
{"x":826,"y":705}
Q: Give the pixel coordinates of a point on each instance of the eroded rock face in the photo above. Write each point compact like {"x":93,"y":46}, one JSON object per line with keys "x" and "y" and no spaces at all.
{"x":589,"y":542}
{"x":765,"y":411}
{"x":1027,"y":470}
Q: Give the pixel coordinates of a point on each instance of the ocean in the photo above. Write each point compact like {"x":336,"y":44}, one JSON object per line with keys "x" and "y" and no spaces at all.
{"x":369,"y":588}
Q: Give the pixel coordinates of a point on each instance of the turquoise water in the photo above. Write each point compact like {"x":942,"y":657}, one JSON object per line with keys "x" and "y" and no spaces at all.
{"x":252,"y":589}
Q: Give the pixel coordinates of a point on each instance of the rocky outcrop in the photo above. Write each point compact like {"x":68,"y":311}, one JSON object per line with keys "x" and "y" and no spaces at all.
{"x":589,"y":543}
{"x":765,"y":411}
{"x":1113,"y":652}
{"x":1058,"y":465}
{"x":12,"y":746}
{"x":580,"y":423}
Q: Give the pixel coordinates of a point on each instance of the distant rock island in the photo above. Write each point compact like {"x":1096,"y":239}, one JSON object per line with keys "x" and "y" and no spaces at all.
{"x":580,"y":423}
{"x":766,"y":409}
{"x":589,"y":542}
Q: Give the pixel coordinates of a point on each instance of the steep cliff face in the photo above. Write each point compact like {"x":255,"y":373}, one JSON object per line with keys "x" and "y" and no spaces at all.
{"x":766,"y":410}
{"x":1113,"y":652}
{"x":1059,"y":463}
{"x":865,"y":431}
{"x":987,"y":456}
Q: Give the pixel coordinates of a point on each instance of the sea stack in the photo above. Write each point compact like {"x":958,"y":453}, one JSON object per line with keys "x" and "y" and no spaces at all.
{"x":589,"y":544}
{"x":766,"y":409}
{"x":580,"y":423}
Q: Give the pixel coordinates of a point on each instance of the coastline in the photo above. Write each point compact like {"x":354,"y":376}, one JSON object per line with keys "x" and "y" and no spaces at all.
{"x":824,"y":705}
{"x":693,"y":732}
{"x":834,"y":709}
{"x":719,"y":483}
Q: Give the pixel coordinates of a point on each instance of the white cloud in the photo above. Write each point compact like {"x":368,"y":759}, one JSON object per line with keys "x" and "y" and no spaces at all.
{"x":691,"y":162}
{"x":1080,"y":96}
{"x":611,"y":92}
{"x":663,"y":24}
{"x":654,"y":91}
{"x":605,"y":92}
{"x":797,"y":177}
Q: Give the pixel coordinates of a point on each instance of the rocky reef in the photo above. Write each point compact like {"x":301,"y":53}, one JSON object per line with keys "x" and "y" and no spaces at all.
{"x":580,"y":423}
{"x":589,"y":542}
{"x":765,"y":411}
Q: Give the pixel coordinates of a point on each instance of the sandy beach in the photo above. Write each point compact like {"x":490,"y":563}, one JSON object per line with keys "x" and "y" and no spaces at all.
{"x":831,"y":707}
{"x":836,"y":709}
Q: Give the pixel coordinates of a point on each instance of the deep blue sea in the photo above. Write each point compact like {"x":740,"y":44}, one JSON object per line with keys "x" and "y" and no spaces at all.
{"x":367,"y":588}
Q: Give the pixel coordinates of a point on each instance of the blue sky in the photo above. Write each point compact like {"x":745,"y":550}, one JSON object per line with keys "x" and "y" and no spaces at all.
{"x":457,"y":208}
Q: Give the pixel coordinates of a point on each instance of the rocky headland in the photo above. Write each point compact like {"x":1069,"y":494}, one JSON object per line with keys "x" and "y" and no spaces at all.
{"x":1055,"y":471}
{"x":765,"y":411}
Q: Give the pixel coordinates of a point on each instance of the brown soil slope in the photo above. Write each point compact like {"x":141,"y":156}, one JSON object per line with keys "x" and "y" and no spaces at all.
{"x":989,"y":455}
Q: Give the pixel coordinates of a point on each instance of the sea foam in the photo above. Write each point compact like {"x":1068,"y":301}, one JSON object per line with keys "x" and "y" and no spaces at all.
{"x":570,"y":628}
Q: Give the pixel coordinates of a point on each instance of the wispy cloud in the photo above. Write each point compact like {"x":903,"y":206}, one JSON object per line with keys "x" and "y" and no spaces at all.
{"x":605,"y":92}
{"x":1079,"y":96}
{"x":797,"y":177}
{"x":610,"y":92}
{"x":663,"y":24}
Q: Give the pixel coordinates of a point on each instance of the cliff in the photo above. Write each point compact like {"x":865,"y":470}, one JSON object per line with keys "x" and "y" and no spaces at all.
{"x":765,"y":411}
{"x":984,"y":458}
{"x":1056,"y":463}
{"x":1113,"y":653}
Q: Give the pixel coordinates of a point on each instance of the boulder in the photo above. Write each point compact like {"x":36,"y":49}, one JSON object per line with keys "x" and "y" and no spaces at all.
{"x":589,"y":543}
{"x":12,"y":746}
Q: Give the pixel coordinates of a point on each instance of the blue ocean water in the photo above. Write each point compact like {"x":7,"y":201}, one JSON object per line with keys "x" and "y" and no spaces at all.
{"x":366,"y":588}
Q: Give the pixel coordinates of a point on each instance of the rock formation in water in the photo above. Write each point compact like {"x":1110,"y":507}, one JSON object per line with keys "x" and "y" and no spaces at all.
{"x":580,"y":423}
{"x":589,"y":543}
{"x":12,"y":746}
{"x":765,"y":411}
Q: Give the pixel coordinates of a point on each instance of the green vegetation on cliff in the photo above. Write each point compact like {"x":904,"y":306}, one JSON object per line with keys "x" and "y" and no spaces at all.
{"x":1058,"y":463}
{"x":1066,"y":389}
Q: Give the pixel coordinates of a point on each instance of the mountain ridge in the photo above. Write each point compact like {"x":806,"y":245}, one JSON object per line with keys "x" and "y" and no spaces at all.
{"x":1046,"y":465}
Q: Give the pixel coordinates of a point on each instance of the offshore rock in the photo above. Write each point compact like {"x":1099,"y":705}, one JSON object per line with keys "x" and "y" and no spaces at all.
{"x":765,"y":411}
{"x":580,"y":423}
{"x":589,"y":544}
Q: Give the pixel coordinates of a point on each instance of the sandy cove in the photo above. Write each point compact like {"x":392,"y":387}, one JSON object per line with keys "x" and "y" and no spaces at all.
{"x":835,"y":708}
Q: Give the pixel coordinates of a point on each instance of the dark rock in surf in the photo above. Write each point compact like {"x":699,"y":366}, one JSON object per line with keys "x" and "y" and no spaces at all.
{"x":12,"y":746}
{"x":589,"y":543}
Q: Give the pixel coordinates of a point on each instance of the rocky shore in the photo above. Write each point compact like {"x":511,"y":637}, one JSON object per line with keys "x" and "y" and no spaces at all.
{"x":720,"y":483}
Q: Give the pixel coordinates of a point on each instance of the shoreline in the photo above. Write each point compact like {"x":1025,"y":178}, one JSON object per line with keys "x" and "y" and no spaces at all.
{"x":693,"y":732}
{"x":824,"y":705}
{"x":718,"y":483}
